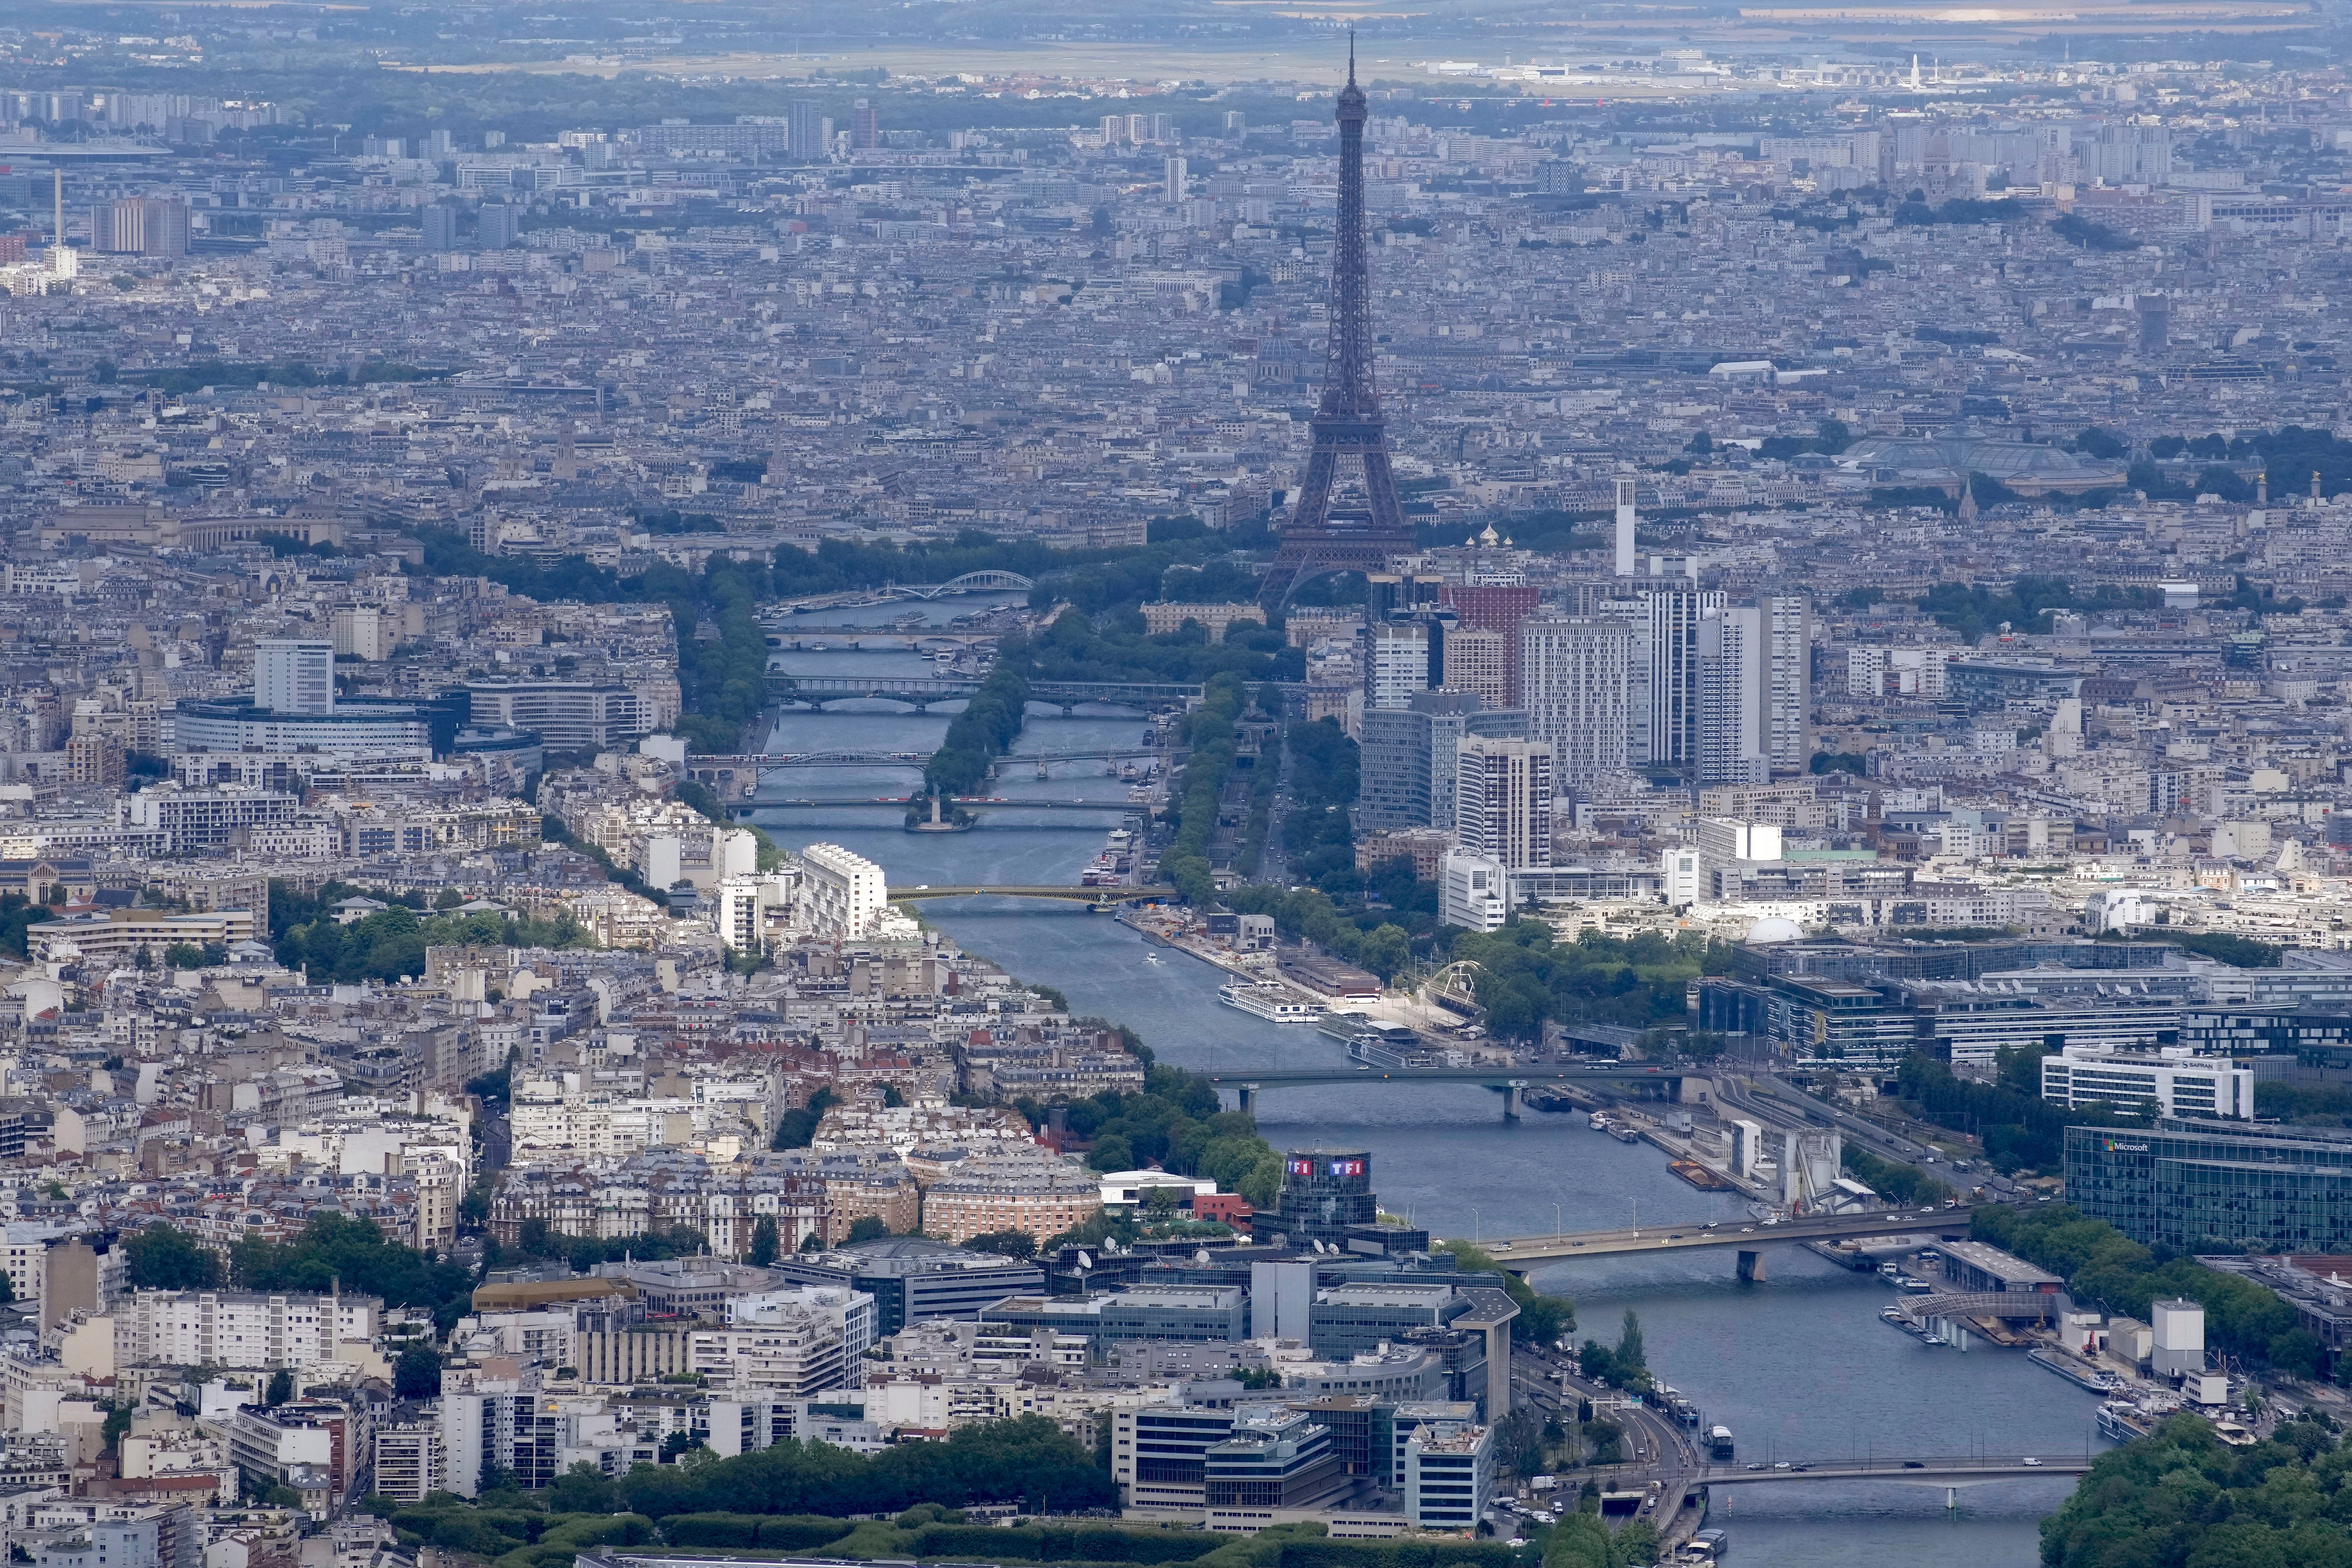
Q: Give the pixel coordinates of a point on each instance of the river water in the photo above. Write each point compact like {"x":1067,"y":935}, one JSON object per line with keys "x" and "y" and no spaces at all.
{"x":1798,"y":1366}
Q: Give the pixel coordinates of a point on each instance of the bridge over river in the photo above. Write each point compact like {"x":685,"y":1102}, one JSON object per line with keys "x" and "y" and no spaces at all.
{"x":1091,"y":895}
{"x":1511,"y":1082}
{"x":1522,"y":1255}
{"x":1946,"y":1472}
{"x":920,"y":692}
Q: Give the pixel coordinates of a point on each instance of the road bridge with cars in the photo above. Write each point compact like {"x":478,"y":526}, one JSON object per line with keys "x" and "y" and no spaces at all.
{"x":1094,"y":896}
{"x":1511,"y":1082}
{"x":966,"y":801}
{"x":792,"y":637}
{"x":920,"y":692}
{"x":1949,"y":1473}
{"x":1522,"y":1254}
{"x":739,"y":769}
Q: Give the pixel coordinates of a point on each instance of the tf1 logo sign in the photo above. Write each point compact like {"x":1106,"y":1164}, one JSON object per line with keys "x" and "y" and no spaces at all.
{"x":1346,"y":1167}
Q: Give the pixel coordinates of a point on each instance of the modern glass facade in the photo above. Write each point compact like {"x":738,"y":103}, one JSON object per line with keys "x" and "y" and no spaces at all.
{"x":1324,"y":1193}
{"x":2214,"y":1189}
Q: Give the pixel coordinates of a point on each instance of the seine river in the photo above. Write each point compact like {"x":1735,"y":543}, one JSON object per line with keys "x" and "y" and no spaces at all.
{"x":1798,"y":1366}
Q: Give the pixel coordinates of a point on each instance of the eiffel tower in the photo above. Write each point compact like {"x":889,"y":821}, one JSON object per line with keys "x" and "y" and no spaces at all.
{"x":1346,"y":518}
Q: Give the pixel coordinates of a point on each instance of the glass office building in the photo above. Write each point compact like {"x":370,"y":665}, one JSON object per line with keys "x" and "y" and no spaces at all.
{"x":2215,"y":1187}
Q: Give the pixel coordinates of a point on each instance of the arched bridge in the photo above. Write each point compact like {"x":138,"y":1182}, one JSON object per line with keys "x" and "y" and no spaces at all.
{"x":1063,"y":894}
{"x":970,"y":583}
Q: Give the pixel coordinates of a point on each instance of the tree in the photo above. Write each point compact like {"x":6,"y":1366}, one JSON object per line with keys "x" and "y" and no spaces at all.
{"x":1385,"y":949}
{"x":1000,"y":1461}
{"x":1519,"y":1443}
{"x":281,"y":1497}
{"x":677,"y":1444}
{"x":417,"y":1374}
{"x":1629,"y":1354}
{"x":582,"y":1489}
{"x":164,"y":1257}
{"x":766,"y":1241}
{"x":867,"y":1227}
{"x":184,"y":955}
{"x":118,"y":1425}
{"x":812,"y":1242}
{"x":1112,"y":1151}
{"x":1006,"y":1243}
{"x":281,"y":1389}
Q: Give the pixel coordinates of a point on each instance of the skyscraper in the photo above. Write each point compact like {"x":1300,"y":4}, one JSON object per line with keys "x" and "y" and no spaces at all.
{"x":1496,"y":607}
{"x":1753,"y":681}
{"x":499,"y":226}
{"x":1728,"y":737}
{"x":1347,"y":518}
{"x":807,"y":131}
{"x":1399,"y":664}
{"x":865,"y":131}
{"x":294,"y":674}
{"x":1474,"y":659}
{"x":140,"y":226}
{"x":1788,"y":682}
{"x":1409,"y":757}
{"x":1625,"y":547}
{"x":1670,"y":659}
{"x":440,"y":227}
{"x":1502,"y":802}
{"x":1171,"y":177}
{"x":1574,"y":682}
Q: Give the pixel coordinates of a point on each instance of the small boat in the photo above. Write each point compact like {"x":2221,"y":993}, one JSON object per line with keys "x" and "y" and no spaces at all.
{"x":1624,"y":1134}
{"x":1598,"y":1121}
{"x":1933,"y":1340}
{"x":1152,"y":958}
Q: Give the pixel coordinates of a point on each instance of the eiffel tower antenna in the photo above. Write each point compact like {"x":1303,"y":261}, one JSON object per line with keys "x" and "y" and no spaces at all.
{"x":1318,"y":541}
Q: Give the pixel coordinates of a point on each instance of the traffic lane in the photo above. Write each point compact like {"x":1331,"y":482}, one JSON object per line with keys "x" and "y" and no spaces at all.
{"x":1655,"y":1444}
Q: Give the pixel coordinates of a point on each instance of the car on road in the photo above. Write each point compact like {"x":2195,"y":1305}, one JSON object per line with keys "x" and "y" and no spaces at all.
{"x":1914,"y":1464}
{"x":1757,"y":1466}
{"x":2030,"y":1462}
{"x":1502,"y":1246}
{"x":1781,"y":1465}
{"x":1750,"y":1230}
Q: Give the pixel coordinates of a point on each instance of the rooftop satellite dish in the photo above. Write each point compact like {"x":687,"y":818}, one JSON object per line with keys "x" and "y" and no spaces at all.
{"x":1084,"y":1261}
